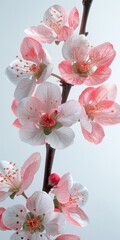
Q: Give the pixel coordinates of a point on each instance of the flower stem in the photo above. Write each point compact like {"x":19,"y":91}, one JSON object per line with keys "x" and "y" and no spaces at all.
{"x":50,"y":152}
{"x":24,"y":195}
{"x":86,"y":8}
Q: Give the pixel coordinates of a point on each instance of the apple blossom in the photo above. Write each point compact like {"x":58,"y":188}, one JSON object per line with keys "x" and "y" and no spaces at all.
{"x":45,"y":120}
{"x":9,"y":176}
{"x":53,"y":26}
{"x":69,"y":198}
{"x":38,"y":221}
{"x":98,"y":108}
{"x":34,"y":67}
{"x":86,"y":64}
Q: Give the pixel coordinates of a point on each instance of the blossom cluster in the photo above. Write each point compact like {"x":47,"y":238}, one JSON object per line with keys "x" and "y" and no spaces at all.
{"x":44,"y":117}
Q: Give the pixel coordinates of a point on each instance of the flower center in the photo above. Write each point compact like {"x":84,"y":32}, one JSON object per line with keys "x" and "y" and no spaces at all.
{"x":33,"y":223}
{"x":81,"y":68}
{"x":10,"y":176}
{"x":90,"y":110}
{"x":49,"y":121}
{"x":37,"y":70}
{"x":54,"y":20}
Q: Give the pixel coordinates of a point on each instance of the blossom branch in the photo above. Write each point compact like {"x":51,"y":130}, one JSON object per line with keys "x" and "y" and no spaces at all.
{"x":50,"y":152}
{"x":86,"y":8}
{"x":57,"y":76}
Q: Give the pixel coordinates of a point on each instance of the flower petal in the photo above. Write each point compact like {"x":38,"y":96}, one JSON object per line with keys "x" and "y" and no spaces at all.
{"x":66,"y":71}
{"x":50,"y":96}
{"x":28,"y":170}
{"x":60,"y":138}
{"x":4,"y":195}
{"x":75,"y":215}
{"x":98,"y":77}
{"x":67,"y":237}
{"x":24,"y":89}
{"x":40,"y":203}
{"x":96,"y":134}
{"x":54,"y":223}
{"x":21,"y":235}
{"x":73,"y":19}
{"x":14,"y":217}
{"x":29,"y":110}
{"x":31,"y":50}
{"x":103,"y":54}
{"x":2,"y":226}
{"x":69,"y":113}
{"x":41,"y":33}
{"x":29,"y":133}
{"x":76,"y":48}
{"x":62,"y":190}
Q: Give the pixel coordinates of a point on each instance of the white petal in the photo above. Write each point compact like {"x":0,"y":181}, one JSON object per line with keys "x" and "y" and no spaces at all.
{"x":4,"y":195}
{"x":40,"y":203}
{"x":85,"y":121}
{"x":69,"y":113}
{"x":32,"y":135}
{"x":40,"y":236}
{"x":55,"y":224}
{"x":76,"y":48}
{"x":21,"y":235}
{"x":14,"y":216}
{"x":28,"y":110}
{"x":24,"y":89}
{"x":60,"y":138}
{"x":50,"y":96}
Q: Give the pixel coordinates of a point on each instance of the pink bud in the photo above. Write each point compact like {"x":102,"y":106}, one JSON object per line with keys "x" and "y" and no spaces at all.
{"x":54,"y":179}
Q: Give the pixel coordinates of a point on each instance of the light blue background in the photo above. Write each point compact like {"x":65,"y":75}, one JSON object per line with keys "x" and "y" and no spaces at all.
{"x":95,"y":166}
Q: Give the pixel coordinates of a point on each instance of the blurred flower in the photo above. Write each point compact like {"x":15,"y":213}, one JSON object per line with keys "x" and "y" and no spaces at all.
{"x":69,"y":198}
{"x":39,"y":222}
{"x":54,"y":28}
{"x":86,"y":64}
{"x":34,"y":67}
{"x":45,"y":120}
{"x":9,"y":176}
{"x":98,"y":108}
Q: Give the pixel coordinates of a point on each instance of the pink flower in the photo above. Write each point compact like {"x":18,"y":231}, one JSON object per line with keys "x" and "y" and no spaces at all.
{"x":39,"y":222}
{"x":69,"y":198}
{"x":34,"y":68}
{"x":53,"y":27}
{"x":2,"y":226}
{"x":85,"y":64}
{"x":45,"y":120}
{"x":9,"y":177}
{"x":98,"y":108}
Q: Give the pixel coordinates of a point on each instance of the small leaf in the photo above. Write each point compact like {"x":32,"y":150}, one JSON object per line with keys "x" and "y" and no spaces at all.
{"x":58,"y":125}
{"x":13,"y":195}
{"x":47,"y":131}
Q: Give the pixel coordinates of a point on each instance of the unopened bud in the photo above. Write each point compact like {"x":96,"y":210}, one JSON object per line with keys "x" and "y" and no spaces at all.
{"x":54,"y":179}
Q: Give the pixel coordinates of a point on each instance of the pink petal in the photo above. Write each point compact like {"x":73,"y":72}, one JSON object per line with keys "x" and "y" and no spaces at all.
{"x":67,"y":237}
{"x":28,"y":170}
{"x":31,"y":50}
{"x":40,"y":203}
{"x":73,"y":19}
{"x":62,"y":190}
{"x":29,"y":133}
{"x":103,"y":54}
{"x":50,"y":96}
{"x":41,"y":33}
{"x":96,"y":135}
{"x":65,"y":33}
{"x":2,"y":226}
{"x":14,"y":106}
{"x":69,"y":113}
{"x":14,"y":217}
{"x":75,"y":215}
{"x":110,"y":115}
{"x":24,"y":89}
{"x":66,"y":70}
{"x":99,"y":76}
{"x":17,"y":123}
{"x":86,"y":96}
{"x":60,"y":138}
{"x":105,"y":92}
